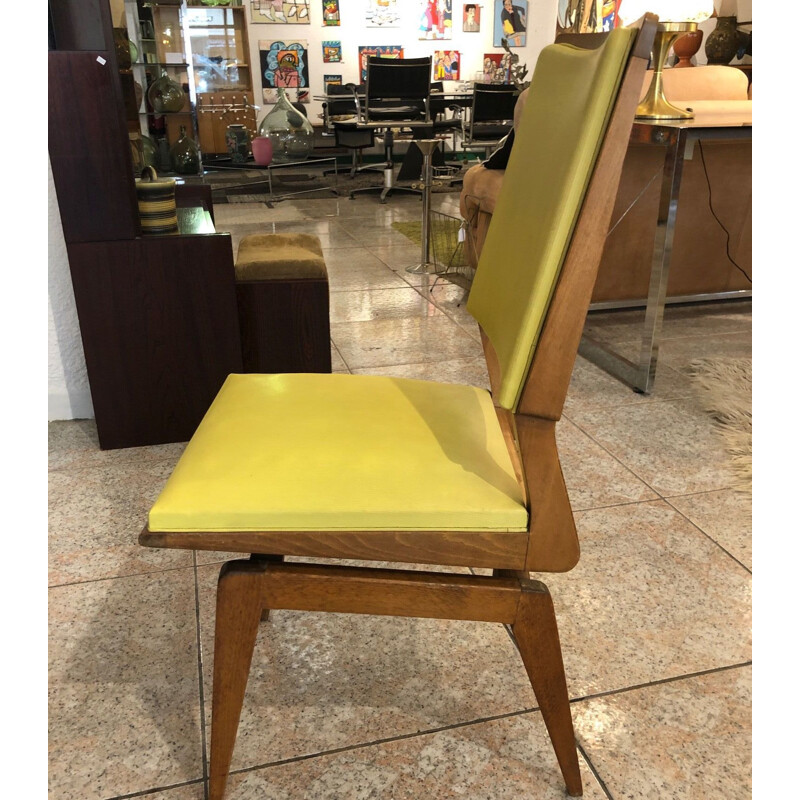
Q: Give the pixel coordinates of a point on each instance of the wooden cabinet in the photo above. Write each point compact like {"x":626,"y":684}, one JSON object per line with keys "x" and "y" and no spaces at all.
{"x":222,"y":71}
{"x":157,"y":314}
{"x":160,"y":48}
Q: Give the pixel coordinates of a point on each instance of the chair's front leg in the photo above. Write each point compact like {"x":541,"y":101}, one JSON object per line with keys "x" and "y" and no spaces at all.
{"x":536,"y":634}
{"x":239,"y":605}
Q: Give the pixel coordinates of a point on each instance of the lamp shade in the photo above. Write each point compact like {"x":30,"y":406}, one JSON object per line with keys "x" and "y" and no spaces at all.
{"x":666,"y":10}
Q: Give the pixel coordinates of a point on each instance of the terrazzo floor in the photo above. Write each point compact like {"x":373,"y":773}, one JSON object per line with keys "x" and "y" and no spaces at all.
{"x":655,"y":620}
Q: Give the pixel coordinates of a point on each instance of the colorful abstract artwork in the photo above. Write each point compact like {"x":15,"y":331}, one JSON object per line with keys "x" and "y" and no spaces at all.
{"x":331,"y":80}
{"x":384,"y":51}
{"x":331,"y":52}
{"x":436,"y":20}
{"x":284,"y":12}
{"x":382,"y":14}
{"x":330,"y":12}
{"x":510,"y":22}
{"x":446,"y":65}
{"x":284,"y":65}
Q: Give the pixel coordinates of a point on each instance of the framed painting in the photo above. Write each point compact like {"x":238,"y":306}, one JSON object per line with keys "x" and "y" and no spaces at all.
{"x":495,"y":68}
{"x":384,"y":51}
{"x":283,"y":12}
{"x":472,"y":18}
{"x":446,"y":65}
{"x":436,"y":19}
{"x":284,"y":65}
{"x":510,"y":22}
{"x":331,"y":52}
{"x":382,"y":14}
{"x":330,"y":12}
{"x":331,"y":80}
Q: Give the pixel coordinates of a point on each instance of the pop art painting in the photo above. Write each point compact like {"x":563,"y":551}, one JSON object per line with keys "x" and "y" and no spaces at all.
{"x":282,"y":12}
{"x":436,"y":20}
{"x":384,"y":51}
{"x":446,"y":65}
{"x":510,"y":22}
{"x":284,"y":65}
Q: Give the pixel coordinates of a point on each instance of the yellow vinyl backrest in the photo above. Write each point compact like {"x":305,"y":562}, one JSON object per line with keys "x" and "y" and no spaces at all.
{"x":570,"y":101}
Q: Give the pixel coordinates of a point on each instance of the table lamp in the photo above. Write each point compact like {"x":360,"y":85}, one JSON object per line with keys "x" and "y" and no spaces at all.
{"x":675,"y":17}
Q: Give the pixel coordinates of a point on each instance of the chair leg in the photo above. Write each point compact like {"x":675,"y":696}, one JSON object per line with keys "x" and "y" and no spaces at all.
{"x":536,"y":633}
{"x":260,"y":558}
{"x":238,"y":614}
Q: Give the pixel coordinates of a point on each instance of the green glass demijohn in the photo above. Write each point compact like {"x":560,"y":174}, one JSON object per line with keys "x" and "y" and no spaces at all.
{"x":165,"y":95}
{"x":184,"y":155}
{"x":290,"y":132}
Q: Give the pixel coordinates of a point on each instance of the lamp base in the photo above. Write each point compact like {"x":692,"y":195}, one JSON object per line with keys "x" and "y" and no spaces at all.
{"x":654,"y":105}
{"x":661,"y":108}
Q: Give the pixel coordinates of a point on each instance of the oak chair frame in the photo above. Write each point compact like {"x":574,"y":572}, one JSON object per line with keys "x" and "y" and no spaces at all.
{"x":249,"y":588}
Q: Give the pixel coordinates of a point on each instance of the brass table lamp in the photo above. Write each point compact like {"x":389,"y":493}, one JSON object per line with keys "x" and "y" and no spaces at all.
{"x":676,"y":17}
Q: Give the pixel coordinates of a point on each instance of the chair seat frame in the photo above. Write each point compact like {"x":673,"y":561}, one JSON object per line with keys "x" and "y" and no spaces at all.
{"x":249,"y":588}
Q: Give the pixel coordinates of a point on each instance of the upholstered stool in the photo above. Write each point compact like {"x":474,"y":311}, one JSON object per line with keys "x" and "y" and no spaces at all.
{"x":282,"y":292}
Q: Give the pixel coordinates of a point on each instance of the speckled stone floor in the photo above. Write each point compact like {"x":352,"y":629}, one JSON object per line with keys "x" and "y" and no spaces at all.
{"x":655,"y":620}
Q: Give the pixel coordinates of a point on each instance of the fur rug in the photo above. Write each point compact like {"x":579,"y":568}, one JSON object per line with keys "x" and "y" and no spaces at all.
{"x":725,"y":387}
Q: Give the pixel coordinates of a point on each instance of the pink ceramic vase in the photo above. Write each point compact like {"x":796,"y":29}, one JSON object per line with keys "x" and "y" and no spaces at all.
{"x":262,"y":150}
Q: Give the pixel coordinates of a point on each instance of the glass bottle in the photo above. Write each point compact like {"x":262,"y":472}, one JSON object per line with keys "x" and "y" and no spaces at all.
{"x":291,"y":133}
{"x":165,"y":95}
{"x":185,"y":155}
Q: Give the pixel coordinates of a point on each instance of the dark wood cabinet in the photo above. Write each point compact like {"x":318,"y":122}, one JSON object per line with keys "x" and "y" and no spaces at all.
{"x":157,"y":314}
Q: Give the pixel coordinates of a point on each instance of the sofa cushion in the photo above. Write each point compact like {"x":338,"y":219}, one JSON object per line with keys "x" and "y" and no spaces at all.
{"x":709,"y":82}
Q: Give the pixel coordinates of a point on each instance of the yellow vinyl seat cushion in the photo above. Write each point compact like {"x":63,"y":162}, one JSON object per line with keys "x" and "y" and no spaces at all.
{"x":326,"y":452}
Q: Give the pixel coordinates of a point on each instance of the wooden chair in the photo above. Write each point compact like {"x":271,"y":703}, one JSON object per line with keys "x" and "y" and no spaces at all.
{"x":418,"y":472}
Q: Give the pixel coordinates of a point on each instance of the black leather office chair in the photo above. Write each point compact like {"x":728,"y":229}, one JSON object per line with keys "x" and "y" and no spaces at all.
{"x":340,"y":115}
{"x":397,"y":92}
{"x":491,"y":116}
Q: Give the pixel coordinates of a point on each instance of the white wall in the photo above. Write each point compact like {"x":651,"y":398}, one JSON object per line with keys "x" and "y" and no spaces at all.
{"x":68,"y":394}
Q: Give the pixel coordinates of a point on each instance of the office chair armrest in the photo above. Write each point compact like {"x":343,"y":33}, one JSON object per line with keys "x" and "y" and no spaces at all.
{"x":352,"y":87}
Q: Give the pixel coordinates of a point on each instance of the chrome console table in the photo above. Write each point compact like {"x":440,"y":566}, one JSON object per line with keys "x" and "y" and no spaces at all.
{"x":729,"y":120}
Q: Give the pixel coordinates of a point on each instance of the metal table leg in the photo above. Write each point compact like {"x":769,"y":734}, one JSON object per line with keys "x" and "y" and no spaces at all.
{"x":641,"y":376}
{"x":427,"y":146}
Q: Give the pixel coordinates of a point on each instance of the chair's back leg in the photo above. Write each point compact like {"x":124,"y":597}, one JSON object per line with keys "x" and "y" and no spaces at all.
{"x":239,"y":605}
{"x":536,"y":633}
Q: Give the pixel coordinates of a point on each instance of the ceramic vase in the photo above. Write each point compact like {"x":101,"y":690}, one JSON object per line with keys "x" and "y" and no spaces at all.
{"x":262,"y":150}
{"x":165,"y":95}
{"x":723,"y":42}
{"x":156,"y":200}
{"x":290,"y":132}
{"x":237,"y":140}
{"x":184,"y":155}
{"x":686,"y":47}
